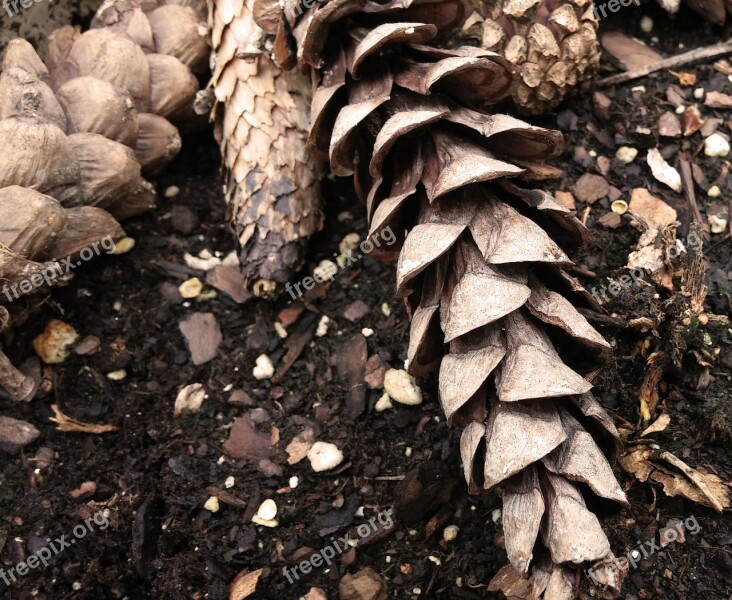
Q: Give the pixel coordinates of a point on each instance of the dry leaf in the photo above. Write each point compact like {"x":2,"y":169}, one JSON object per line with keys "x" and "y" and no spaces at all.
{"x":66,"y":423}
{"x":658,"y":425}
{"x":244,"y":584}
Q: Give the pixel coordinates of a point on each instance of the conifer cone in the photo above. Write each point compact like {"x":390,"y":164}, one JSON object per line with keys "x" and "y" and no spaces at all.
{"x":553,"y":42}
{"x":272,"y":184}
{"x":484,"y":280}
{"x":82,"y":129}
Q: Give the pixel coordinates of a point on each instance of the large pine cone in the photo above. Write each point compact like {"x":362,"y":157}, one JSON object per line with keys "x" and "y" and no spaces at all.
{"x":82,"y":130}
{"x":483,"y":278}
{"x":553,"y":42}
{"x":262,"y":114}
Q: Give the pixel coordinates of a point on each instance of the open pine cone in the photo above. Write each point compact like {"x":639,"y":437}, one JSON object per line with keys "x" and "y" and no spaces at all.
{"x":484,"y":280}
{"x":553,"y":42}
{"x":82,"y":130}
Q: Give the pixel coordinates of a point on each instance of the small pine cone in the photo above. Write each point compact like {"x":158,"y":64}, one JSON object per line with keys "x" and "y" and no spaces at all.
{"x":479,"y":260}
{"x":262,"y":115}
{"x":553,"y":42}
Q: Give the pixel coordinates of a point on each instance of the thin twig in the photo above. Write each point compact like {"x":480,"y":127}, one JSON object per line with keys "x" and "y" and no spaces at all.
{"x":713,"y":51}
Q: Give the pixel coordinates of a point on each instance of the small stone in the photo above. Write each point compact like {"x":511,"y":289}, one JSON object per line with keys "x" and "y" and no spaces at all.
{"x":212,"y":504}
{"x":716,"y":145}
{"x":293,"y":482}
{"x":189,"y":399}
{"x":88,"y":346}
{"x":626,"y":154}
{"x":200,"y":263}
{"x":367,"y":332}
{"x":646,"y":24}
{"x":326,"y":269}
{"x":386,"y":310}
{"x":450,"y":533}
{"x":402,"y":387}
{"x":264,"y":368}
{"x":663,"y":171}
{"x":322,"y":328}
{"x":203,"y":336}
{"x":280,"y":329}
{"x":172,"y":191}
{"x":654,"y":211}
{"x":118,"y":375}
{"x":230,"y":482}
{"x":383,"y":403}
{"x":53,"y":344}
{"x":190,"y":288}
{"x":699,"y":93}
{"x":717,"y":224}
{"x":123,"y":246}
{"x":324,"y":456}
{"x":16,"y":434}
{"x":714,"y":191}
{"x":356,"y":311}
{"x":611,"y":220}
{"x":267,"y":510}
{"x":668,"y":125}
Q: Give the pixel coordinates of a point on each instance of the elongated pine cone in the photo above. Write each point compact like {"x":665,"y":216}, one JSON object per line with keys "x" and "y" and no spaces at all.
{"x":479,"y":267}
{"x":553,"y":42}
{"x":80,"y":131}
{"x":262,"y":114}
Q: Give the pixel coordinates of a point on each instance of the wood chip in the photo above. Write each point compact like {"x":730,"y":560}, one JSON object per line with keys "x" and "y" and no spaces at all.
{"x":66,"y":423}
{"x":629,"y":53}
{"x":718,"y":100}
{"x":229,"y":279}
{"x":367,"y":584}
{"x":246,"y":442}
{"x":244,"y":584}
{"x":655,"y":212}
{"x":590,"y":188}
{"x":203,"y":336}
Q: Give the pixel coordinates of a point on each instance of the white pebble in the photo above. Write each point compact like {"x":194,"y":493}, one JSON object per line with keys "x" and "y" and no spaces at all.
{"x":322,"y":326}
{"x":172,"y":191}
{"x":267,"y":510}
{"x":626,"y":154}
{"x":717,"y":224}
{"x":229,"y":483}
{"x":646,"y":24}
{"x":280,"y":329}
{"x":294,"y":482}
{"x":496,"y":515}
{"x":367,"y":332}
{"x":699,"y":93}
{"x":326,"y":269}
{"x":716,"y":145}
{"x":264,"y":368}
{"x":265,"y":522}
{"x":450,"y":533}
{"x":386,"y":310}
{"x":383,"y":403}
{"x":680,"y":110}
{"x":117,"y":375}
{"x":123,"y":246}
{"x":408,"y":452}
{"x":402,"y":387}
{"x":212,"y":504}
{"x":349,"y":243}
{"x":714,"y":191}
{"x":434,"y":559}
{"x":324,"y":456}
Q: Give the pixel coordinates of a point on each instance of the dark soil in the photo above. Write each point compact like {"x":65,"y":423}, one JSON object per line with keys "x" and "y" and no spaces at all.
{"x":153,"y":473}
